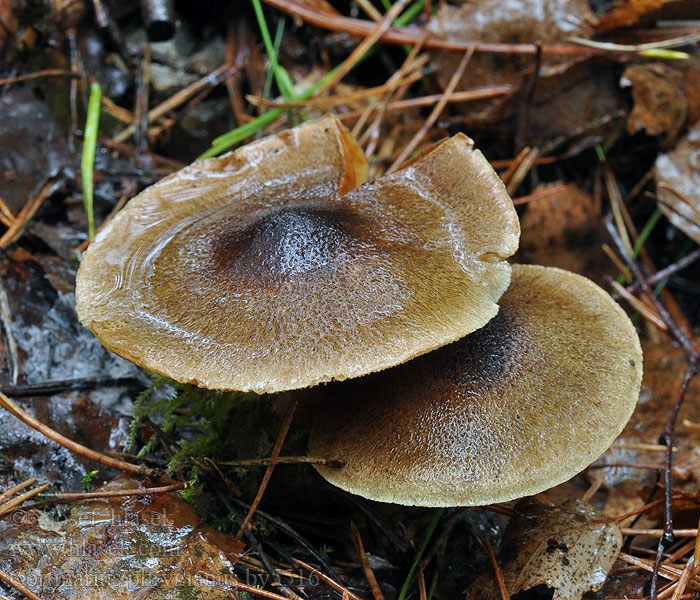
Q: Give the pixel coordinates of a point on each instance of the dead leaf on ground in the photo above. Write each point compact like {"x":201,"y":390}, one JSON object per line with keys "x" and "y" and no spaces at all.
{"x":522,"y":21}
{"x":631,"y":12}
{"x":660,"y":108}
{"x":566,"y":549}
{"x":563,"y":228}
{"x":147,"y":547}
{"x":678,"y":184}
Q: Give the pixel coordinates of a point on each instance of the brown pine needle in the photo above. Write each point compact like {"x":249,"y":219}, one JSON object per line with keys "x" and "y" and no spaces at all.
{"x":327,"y":580}
{"x":360,"y":50}
{"x":239,"y":585}
{"x":503,"y":590}
{"x":17,"y":500}
{"x":621,"y":267}
{"x":366,"y":569}
{"x":523,"y":169}
{"x":276,"y":449}
{"x":646,"y":311}
{"x":18,"y":585}
{"x":13,"y":490}
{"x":84,"y":451}
{"x":435,"y":113}
{"x":67,"y":497}
{"x":513,"y":166}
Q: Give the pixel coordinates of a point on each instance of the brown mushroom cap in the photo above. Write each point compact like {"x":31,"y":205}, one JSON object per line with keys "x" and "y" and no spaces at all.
{"x":268,"y":269}
{"x":512,"y":409}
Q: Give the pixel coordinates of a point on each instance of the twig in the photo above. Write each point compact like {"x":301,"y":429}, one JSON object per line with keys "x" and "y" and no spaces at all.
{"x":666,"y":272}
{"x":107,"y":461}
{"x":178,"y":98}
{"x":681,"y":533}
{"x":411,"y":35}
{"x":15,"y":231}
{"x":38,"y":75}
{"x":667,"y":537}
{"x":18,"y":585}
{"x":270,"y":467}
{"x":333,"y":463}
{"x":68,"y":497}
{"x":435,"y":113}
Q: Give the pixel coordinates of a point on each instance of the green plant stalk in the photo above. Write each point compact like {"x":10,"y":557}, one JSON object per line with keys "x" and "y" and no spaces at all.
{"x":277,"y":43}
{"x":87,"y":162}
{"x":436,"y":574}
{"x":419,"y":553}
{"x":233,"y":137}
{"x":284,"y":82}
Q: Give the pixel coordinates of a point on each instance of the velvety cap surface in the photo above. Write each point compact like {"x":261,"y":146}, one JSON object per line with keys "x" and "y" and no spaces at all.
{"x":512,"y":409}
{"x":269,"y":269}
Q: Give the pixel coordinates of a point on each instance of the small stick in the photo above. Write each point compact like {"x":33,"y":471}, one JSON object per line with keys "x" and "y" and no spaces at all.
{"x":689,"y":533}
{"x":410,"y":35}
{"x":684,"y":579}
{"x":176,"y":100}
{"x":327,"y":580}
{"x":270,"y":467}
{"x":366,"y":569}
{"x":107,"y":461}
{"x":15,"y":231}
{"x":285,"y":460}
{"x":67,"y":497}
{"x":38,"y":75}
{"x":18,"y":585}
{"x":668,"y":271}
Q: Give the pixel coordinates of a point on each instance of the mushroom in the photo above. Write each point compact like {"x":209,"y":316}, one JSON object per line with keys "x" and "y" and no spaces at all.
{"x":512,"y":409}
{"x":269,"y":269}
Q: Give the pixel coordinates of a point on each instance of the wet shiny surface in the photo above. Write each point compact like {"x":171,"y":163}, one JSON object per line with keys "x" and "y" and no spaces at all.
{"x":270,"y":269}
{"x":510,"y":410}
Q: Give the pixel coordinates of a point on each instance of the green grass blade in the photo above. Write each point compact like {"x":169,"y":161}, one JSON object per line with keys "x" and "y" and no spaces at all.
{"x":284,"y":82}
{"x":88,"y":158}
{"x":419,"y":553}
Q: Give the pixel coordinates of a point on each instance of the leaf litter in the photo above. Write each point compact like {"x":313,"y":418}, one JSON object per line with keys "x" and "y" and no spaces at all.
{"x":560,"y":106}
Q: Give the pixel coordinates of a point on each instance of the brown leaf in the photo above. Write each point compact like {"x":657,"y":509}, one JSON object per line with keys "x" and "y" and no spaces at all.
{"x":660,"y":107}
{"x":566,"y":549}
{"x":678,"y":181}
{"x":149,"y":547}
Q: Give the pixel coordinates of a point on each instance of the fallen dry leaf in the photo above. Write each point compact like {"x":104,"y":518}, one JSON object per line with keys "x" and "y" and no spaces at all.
{"x":660,"y":107}
{"x":566,"y":549}
{"x":563,"y":228}
{"x":678,"y":184}
{"x":146,"y":547}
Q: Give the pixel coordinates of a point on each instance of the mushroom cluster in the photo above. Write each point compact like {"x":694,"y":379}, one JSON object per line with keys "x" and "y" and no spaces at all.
{"x":278,"y":267}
